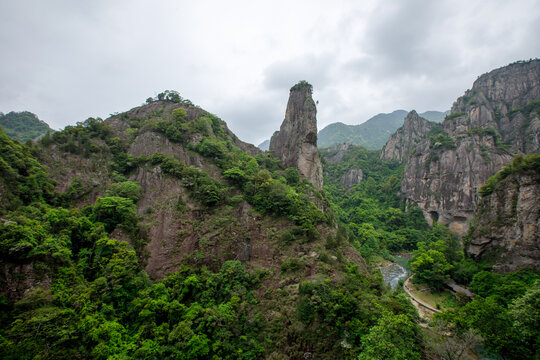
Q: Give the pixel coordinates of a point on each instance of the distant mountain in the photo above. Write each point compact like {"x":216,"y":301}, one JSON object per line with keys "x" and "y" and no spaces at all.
{"x":265,"y":145}
{"x":23,"y":125}
{"x":371,"y":134}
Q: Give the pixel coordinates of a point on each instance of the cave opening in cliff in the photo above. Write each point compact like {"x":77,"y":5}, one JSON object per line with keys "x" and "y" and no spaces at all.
{"x":434,"y":216}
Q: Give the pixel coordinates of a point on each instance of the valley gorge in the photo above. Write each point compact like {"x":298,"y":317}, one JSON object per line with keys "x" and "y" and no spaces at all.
{"x":157,"y":233}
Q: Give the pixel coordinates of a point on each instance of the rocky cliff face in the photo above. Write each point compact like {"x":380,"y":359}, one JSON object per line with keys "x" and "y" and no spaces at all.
{"x":352,"y":177}
{"x":404,"y":140}
{"x":506,"y":100}
{"x":496,"y":119}
{"x":335,"y":154}
{"x":443,"y":179}
{"x":506,"y":226}
{"x":295,"y":144}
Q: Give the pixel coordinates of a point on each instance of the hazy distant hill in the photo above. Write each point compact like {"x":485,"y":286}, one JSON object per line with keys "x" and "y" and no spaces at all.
{"x":23,"y":125}
{"x":371,"y":134}
{"x":265,"y":145}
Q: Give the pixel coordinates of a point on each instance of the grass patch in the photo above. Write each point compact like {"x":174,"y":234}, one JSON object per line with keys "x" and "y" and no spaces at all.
{"x":443,"y":300}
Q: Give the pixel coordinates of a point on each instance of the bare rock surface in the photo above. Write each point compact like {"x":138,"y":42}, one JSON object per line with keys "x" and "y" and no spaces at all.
{"x":352,"y":177}
{"x":490,"y":124}
{"x":506,"y":227}
{"x":295,"y":144}
{"x":404,"y":140}
{"x":337,"y":151}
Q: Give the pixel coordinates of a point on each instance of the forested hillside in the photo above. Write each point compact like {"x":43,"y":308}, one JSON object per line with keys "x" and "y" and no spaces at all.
{"x":158,"y":234}
{"x":23,"y":125}
{"x":505,"y":310}
{"x":371,"y":134}
{"x":154,"y":235}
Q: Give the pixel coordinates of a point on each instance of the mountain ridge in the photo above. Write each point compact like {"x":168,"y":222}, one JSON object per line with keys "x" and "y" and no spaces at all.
{"x":23,"y":125}
{"x":373,"y":133}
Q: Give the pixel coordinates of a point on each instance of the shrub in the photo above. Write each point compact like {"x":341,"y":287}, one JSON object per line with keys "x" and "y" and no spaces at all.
{"x":529,"y":164}
{"x":113,"y":211}
{"x":126,"y":189}
{"x":179,"y":114}
{"x":292,"y":176}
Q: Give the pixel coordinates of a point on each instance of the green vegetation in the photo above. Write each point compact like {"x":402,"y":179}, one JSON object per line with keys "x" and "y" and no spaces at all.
{"x":379,"y":224}
{"x":302,"y":85}
{"x":531,"y":107}
{"x":454,"y":115}
{"x":529,"y":164}
{"x":23,"y":126}
{"x":436,"y":260}
{"x":503,"y":312}
{"x":126,"y":189}
{"x":439,"y":139}
{"x":487,"y":131}
{"x":265,"y":184}
{"x":83,"y":253}
{"x":371,"y":134}
{"x":23,"y":178}
{"x":392,"y":338}
{"x":350,"y":308}
{"x":375,"y":216}
{"x":440,"y":300}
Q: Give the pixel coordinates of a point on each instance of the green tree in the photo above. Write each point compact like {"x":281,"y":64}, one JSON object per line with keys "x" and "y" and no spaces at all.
{"x":430,"y":266}
{"x":395,"y":337}
{"x":525,"y":312}
{"x":126,"y":189}
{"x":113,"y":211}
{"x":179,"y":114}
{"x":292,"y":176}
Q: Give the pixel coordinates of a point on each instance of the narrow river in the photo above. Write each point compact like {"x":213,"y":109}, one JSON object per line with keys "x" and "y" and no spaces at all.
{"x":394,"y":272}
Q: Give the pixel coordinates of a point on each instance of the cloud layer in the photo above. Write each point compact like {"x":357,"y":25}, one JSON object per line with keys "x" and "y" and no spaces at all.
{"x":67,"y":61}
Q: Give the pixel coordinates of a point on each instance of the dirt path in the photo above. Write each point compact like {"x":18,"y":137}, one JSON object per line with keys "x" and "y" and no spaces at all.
{"x":424,"y":310}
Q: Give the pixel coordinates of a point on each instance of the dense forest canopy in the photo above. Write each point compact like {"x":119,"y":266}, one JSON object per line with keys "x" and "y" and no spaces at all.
{"x":23,"y":125}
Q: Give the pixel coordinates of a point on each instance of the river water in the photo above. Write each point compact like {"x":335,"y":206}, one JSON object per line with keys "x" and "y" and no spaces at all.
{"x":393,"y":273}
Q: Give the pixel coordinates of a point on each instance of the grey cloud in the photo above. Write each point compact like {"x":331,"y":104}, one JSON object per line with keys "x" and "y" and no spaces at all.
{"x":254,"y":120}
{"x":66,"y":60}
{"x":316,"y":70}
{"x":401,"y":41}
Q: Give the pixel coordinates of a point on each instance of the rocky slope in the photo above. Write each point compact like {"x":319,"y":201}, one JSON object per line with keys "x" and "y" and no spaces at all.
{"x":415,"y":128}
{"x":352,"y":177}
{"x":506,"y":225}
{"x":371,"y":134}
{"x":496,"y":119}
{"x":295,"y":144}
{"x":173,"y":237}
{"x":226,"y":238}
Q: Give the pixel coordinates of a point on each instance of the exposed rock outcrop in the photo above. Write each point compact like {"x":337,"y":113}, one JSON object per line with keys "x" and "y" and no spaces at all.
{"x":443,"y":179}
{"x":295,"y":144}
{"x":404,"y":140}
{"x":495,"y":120}
{"x":352,"y":177}
{"x":506,"y":226}
{"x":335,"y":153}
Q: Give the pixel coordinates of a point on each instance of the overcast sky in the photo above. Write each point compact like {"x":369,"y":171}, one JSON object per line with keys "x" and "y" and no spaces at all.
{"x":69,"y":60}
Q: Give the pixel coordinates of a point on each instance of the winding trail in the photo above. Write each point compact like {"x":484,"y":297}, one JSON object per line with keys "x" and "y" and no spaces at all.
{"x":417,"y":300}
